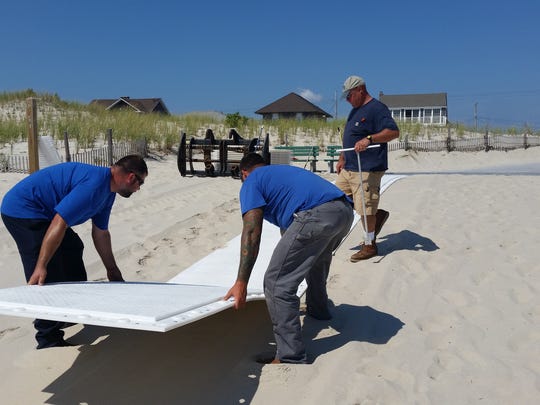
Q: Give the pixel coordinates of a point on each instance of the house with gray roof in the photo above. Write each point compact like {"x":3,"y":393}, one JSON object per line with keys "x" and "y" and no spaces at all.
{"x":140,"y":105}
{"x":292,"y":106}
{"x":428,"y":109}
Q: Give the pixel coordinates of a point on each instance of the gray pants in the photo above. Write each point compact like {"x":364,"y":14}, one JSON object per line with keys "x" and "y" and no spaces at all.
{"x":304,"y":251}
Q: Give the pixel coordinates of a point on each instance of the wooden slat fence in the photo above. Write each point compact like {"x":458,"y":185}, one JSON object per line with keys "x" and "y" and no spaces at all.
{"x":486,"y":143}
{"x":98,"y":156}
{"x":14,"y":163}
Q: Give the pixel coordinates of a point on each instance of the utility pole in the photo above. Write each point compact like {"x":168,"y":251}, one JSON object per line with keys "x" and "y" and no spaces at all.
{"x":335,"y":105}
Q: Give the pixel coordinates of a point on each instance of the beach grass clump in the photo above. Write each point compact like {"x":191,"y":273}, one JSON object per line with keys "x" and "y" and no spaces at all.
{"x":89,"y":124}
{"x":12,"y":131}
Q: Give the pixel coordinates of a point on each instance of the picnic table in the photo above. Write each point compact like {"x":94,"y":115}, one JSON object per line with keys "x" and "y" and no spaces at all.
{"x":332,"y":156}
{"x":303,"y":154}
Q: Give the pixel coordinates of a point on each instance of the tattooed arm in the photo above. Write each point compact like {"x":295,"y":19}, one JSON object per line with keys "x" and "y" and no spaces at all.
{"x":249,"y":250}
{"x":251,"y":239}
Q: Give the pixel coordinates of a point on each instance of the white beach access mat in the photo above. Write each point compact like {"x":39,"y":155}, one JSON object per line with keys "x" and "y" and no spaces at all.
{"x":195,"y":293}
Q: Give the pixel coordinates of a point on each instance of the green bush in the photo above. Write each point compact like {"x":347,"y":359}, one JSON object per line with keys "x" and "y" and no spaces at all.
{"x":235,"y":120}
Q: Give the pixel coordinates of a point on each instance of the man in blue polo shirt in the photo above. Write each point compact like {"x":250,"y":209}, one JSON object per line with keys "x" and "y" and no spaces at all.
{"x":369,"y":122}
{"x":40,"y":211}
{"x":314,"y":216}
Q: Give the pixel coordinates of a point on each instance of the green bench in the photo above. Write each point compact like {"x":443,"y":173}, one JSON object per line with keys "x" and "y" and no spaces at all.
{"x":303,"y":154}
{"x":332,"y":155}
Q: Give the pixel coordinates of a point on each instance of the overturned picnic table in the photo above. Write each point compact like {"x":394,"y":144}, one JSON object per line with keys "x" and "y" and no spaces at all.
{"x":217,"y":156}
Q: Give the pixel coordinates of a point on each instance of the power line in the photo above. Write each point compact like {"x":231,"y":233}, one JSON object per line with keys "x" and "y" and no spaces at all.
{"x":498,"y":93}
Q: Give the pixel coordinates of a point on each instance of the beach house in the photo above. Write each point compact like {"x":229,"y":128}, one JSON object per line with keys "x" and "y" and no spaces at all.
{"x":140,"y":105}
{"x":428,"y":109}
{"x":292,"y":106}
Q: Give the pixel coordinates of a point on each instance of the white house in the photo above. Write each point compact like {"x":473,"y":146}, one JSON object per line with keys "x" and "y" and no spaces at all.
{"x":428,"y":109}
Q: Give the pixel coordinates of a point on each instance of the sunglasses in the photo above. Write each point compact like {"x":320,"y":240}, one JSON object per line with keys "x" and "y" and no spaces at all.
{"x":139,"y":178}
{"x":350,"y":93}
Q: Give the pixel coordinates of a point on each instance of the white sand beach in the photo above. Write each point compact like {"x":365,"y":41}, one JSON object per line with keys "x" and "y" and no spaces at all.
{"x":448,"y":313}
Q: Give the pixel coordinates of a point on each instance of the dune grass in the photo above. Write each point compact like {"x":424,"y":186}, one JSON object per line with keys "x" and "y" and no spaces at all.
{"x":89,"y":124}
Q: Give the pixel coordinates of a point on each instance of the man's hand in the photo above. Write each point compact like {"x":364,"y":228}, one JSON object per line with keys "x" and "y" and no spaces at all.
{"x":340,"y":163}
{"x":114,"y":274}
{"x":38,"y":276}
{"x":239,"y":292}
{"x":102,"y":242}
{"x":249,"y":250}
{"x":51,"y":241}
{"x":339,"y":166}
{"x":361,"y":145}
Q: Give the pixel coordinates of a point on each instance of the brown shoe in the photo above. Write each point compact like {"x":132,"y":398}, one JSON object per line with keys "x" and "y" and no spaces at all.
{"x":380,"y":218}
{"x":366,"y":252}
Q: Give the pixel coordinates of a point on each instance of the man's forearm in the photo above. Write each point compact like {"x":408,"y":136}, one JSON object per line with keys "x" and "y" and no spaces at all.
{"x":250,"y":242}
{"x":52,"y":240}
{"x":102,"y":243}
{"x":386,"y":135}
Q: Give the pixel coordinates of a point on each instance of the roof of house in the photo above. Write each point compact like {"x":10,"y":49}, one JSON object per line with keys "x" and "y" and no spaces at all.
{"x":413,"y":100}
{"x":138,"y":104}
{"x":292,"y":103}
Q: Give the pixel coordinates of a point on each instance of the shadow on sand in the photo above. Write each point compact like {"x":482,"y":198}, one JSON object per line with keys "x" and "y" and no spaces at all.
{"x":210,"y":361}
{"x":206,"y":362}
{"x":354,"y":324}
{"x":403,"y":240}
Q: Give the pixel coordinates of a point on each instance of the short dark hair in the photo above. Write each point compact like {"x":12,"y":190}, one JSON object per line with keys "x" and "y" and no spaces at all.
{"x":133,"y":164}
{"x":251,"y":160}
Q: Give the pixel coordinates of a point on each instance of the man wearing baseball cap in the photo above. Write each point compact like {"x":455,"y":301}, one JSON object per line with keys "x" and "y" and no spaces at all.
{"x":369,"y":122}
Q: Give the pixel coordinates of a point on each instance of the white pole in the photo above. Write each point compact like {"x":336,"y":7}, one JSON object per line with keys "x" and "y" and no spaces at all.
{"x":361,"y":194}
{"x":351,"y":149}
{"x":364,"y":216}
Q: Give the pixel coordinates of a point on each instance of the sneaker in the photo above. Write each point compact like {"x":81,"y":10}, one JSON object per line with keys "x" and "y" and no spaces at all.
{"x":380,"y":218}
{"x":366,"y":252}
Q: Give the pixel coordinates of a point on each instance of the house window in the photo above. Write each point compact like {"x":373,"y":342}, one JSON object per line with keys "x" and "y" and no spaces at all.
{"x":408,"y":115}
{"x":437,"y":115}
{"x":428,"y":116}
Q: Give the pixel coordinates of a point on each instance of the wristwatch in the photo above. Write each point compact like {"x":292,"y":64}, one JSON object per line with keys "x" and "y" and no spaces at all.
{"x":370,"y":139}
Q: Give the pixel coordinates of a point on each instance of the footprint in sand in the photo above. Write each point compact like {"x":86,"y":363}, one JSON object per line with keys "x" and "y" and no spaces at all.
{"x":522,"y":294}
{"x":458,"y":298}
{"x":8,"y":332}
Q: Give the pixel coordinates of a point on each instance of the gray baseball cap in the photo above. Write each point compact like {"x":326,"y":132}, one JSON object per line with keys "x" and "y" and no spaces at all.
{"x":351,"y":83}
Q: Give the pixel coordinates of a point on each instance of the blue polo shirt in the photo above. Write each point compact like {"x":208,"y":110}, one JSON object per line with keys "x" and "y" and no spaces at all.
{"x":76,"y":191}
{"x":282,"y":190}
{"x":367,"y":120}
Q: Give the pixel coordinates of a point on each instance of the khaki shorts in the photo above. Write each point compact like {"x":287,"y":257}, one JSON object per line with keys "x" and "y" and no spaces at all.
{"x":349,"y":183}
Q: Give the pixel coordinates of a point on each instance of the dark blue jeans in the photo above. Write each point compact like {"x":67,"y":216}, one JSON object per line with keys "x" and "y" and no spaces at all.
{"x":65,"y":265}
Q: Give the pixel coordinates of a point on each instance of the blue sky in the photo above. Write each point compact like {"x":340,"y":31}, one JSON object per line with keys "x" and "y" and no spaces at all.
{"x":238,"y":56}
